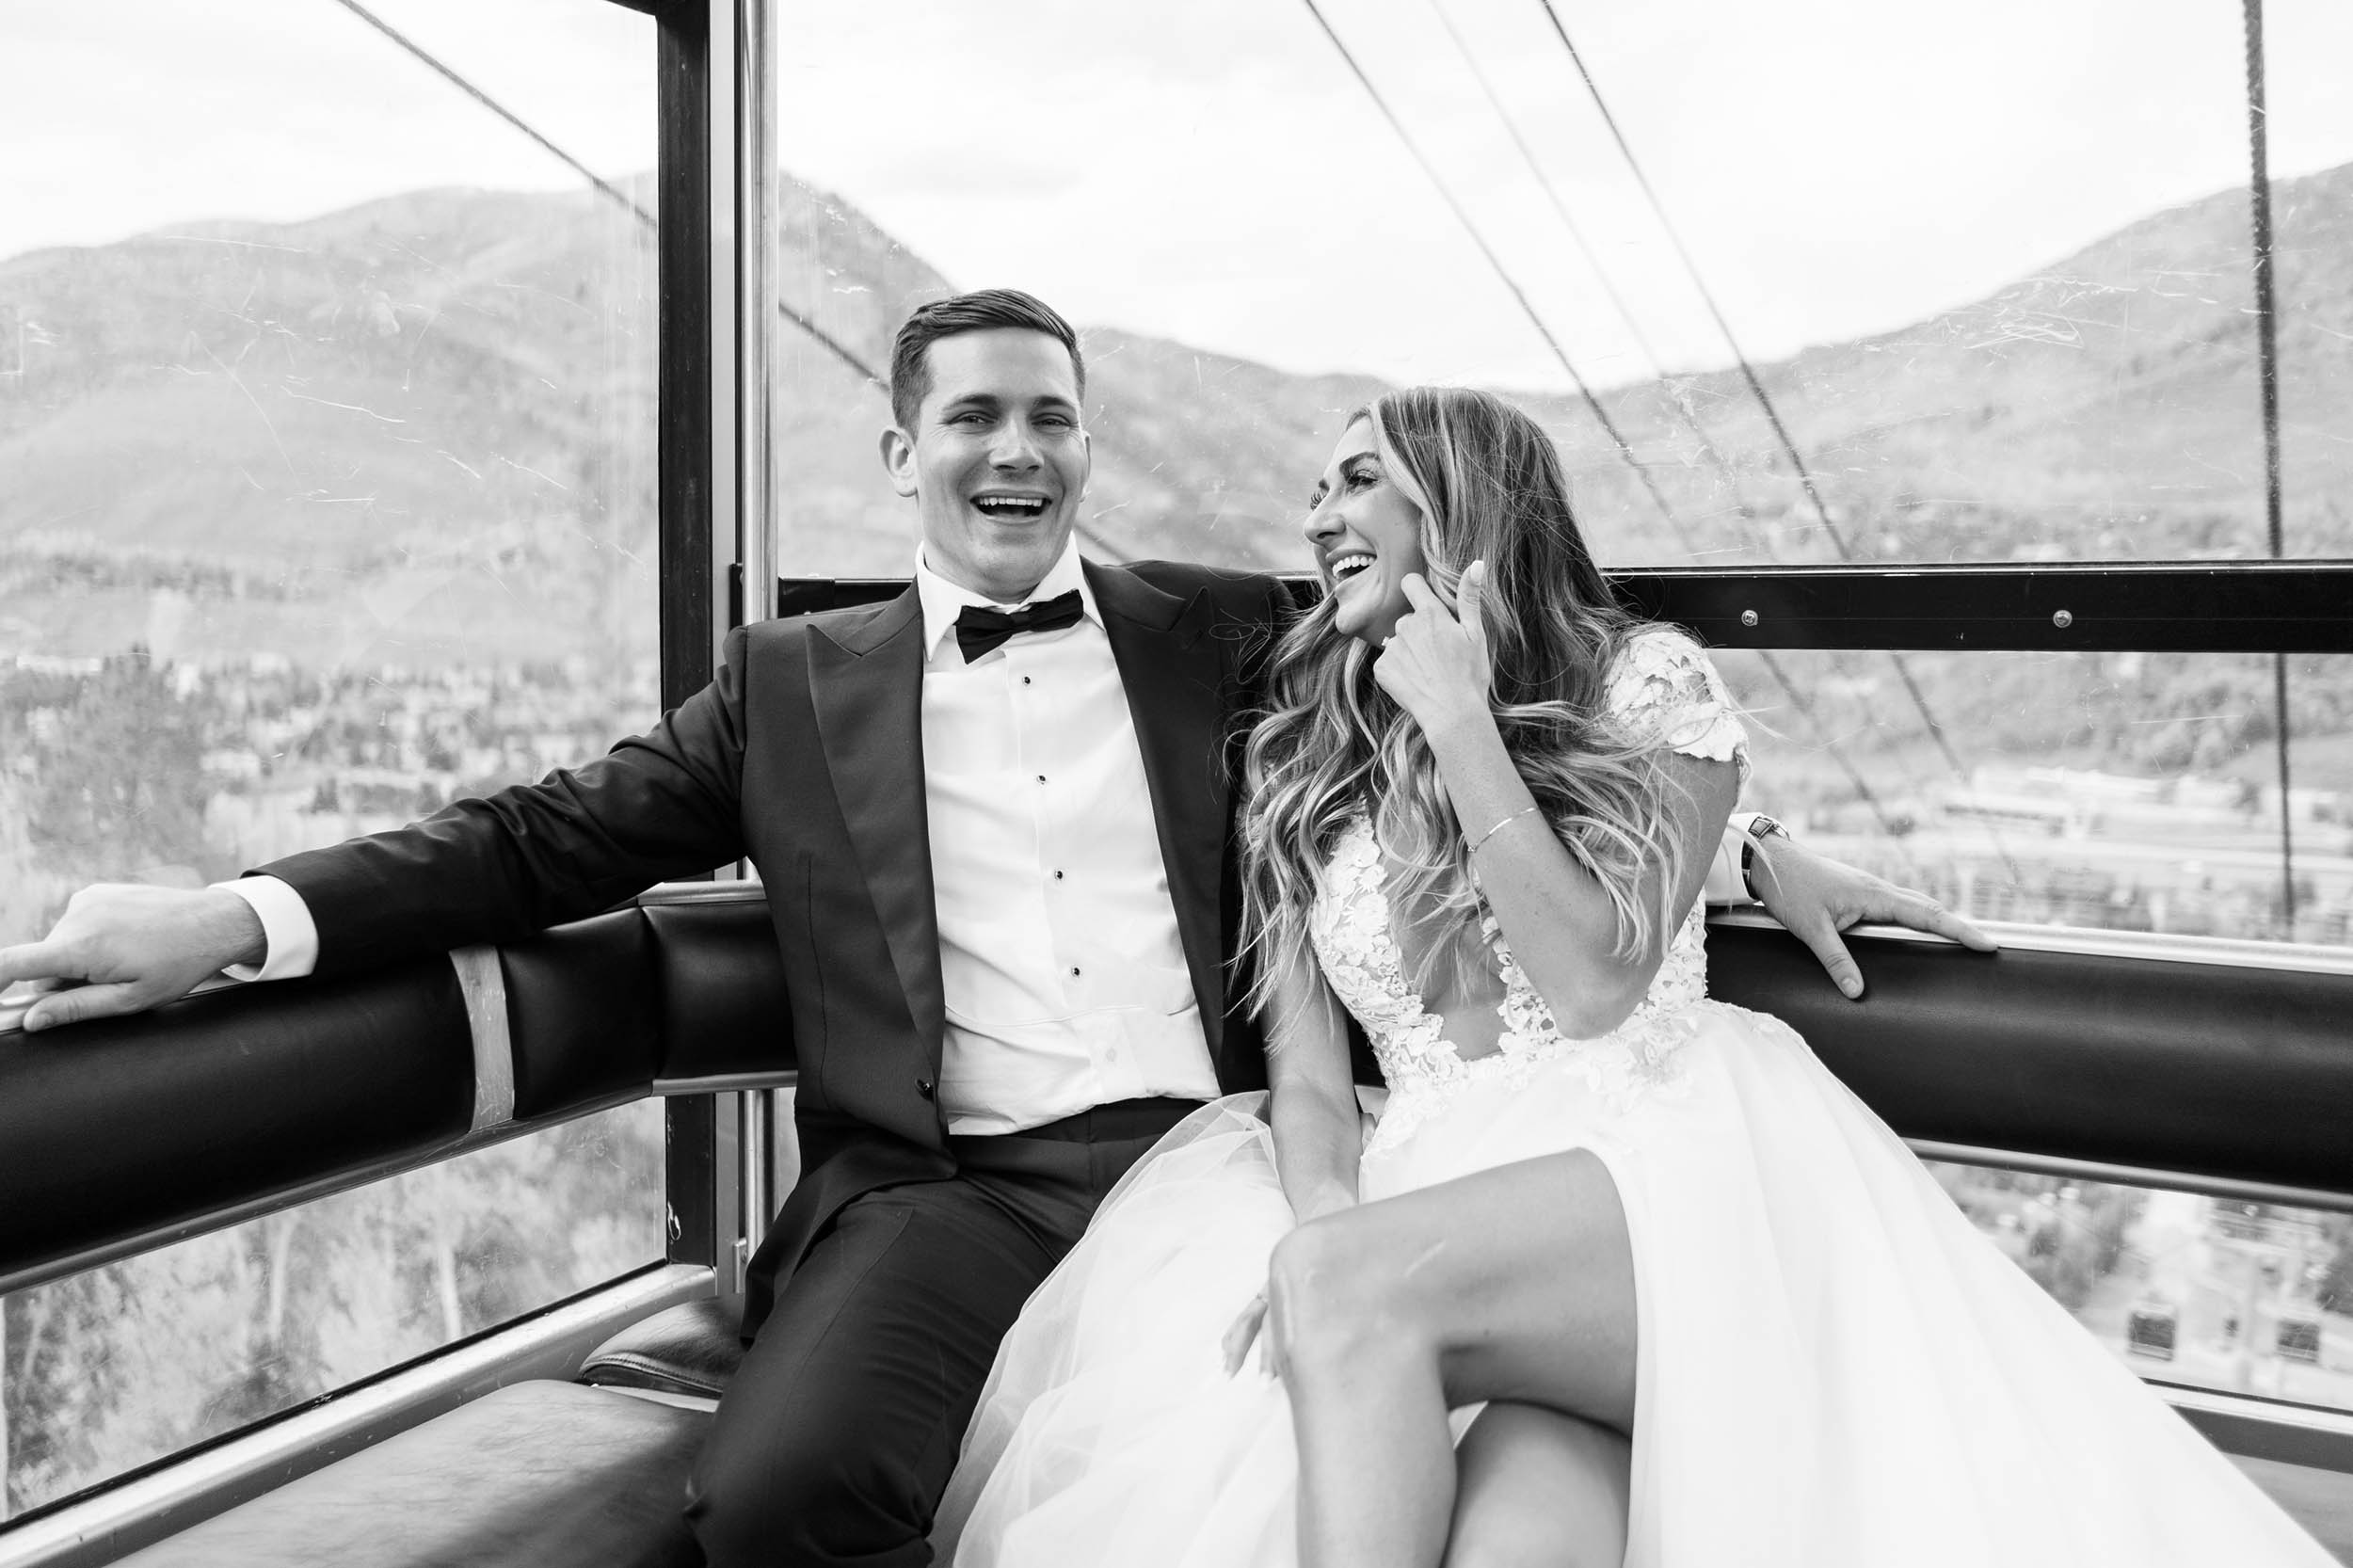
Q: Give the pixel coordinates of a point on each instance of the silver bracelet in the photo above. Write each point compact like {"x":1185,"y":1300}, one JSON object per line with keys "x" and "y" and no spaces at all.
{"x":1476,"y":845}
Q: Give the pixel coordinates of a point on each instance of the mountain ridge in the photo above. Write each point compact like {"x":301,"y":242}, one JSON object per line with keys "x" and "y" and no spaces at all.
{"x":419,"y":429}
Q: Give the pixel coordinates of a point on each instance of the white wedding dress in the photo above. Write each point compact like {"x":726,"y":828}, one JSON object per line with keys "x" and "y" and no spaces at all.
{"x":1834,"y":1369}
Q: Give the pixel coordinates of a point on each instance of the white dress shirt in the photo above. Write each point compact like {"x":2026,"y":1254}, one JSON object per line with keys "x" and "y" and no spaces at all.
{"x":1065,"y":981}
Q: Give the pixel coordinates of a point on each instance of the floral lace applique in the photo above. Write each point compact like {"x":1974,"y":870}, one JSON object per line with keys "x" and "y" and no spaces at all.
{"x":1662,"y":687}
{"x":1365,"y":967}
{"x":1664,"y":690}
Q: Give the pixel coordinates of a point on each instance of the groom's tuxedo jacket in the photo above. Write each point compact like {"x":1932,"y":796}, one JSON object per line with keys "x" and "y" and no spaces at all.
{"x":805,"y":755}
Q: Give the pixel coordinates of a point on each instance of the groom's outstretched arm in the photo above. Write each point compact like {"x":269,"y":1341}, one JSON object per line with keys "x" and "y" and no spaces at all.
{"x":663,"y":804}
{"x":1816,"y":898}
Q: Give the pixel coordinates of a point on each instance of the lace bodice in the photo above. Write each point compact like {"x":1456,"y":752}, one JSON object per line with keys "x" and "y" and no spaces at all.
{"x":1662,"y":688}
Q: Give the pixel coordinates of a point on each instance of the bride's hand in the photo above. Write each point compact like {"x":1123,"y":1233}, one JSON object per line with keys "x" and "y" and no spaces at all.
{"x":1435,"y":664}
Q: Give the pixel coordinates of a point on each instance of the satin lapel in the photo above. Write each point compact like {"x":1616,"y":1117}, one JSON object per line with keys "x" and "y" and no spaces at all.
{"x":1172,"y":677}
{"x":866,"y":681}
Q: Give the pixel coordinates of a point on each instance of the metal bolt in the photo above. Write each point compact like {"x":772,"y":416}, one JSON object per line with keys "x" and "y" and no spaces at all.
{"x":1748,"y":617}
{"x":2062,"y":618}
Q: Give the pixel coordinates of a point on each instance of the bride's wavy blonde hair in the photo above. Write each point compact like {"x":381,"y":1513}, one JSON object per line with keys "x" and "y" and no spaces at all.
{"x":1489,"y":485}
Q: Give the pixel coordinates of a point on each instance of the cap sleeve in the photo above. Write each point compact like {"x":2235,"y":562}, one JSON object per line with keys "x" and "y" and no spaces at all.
{"x":1664,"y":691}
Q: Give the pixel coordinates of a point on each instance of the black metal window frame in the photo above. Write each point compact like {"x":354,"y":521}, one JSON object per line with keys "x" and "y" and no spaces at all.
{"x":2139,"y":606}
{"x":690,"y":1164}
{"x":2136,"y":606}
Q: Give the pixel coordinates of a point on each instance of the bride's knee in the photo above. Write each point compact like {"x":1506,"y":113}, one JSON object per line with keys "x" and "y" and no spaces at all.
{"x":1334,"y":1293}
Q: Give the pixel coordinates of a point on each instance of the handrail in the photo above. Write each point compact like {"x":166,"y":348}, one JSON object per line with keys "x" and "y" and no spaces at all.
{"x":2086,"y":1052}
{"x":316,"y":1086}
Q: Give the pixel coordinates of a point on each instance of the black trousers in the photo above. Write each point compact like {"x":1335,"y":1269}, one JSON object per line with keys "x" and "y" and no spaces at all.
{"x":837,"y":1437}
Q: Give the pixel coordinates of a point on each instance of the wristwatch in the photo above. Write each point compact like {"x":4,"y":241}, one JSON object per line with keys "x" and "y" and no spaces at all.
{"x":1760,"y":827}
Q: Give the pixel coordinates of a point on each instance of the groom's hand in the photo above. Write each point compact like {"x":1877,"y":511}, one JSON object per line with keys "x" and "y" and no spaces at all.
{"x":1246,"y":1330}
{"x":121,"y":949}
{"x":1816,"y":898}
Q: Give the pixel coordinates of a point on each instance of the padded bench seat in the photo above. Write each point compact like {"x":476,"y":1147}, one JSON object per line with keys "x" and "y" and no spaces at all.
{"x":552,"y":1475}
{"x":691,"y":1348}
{"x":537,"y":1475}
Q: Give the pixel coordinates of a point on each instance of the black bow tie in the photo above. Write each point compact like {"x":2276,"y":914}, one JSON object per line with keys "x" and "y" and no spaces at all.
{"x":980,"y":628}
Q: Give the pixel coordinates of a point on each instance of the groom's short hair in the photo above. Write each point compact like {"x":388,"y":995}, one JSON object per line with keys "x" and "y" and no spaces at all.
{"x":982,"y":311}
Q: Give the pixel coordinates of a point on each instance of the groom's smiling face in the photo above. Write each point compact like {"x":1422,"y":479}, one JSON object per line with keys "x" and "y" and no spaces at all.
{"x":998,"y":460}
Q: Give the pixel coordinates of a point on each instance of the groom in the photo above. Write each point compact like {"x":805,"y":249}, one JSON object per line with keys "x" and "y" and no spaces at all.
{"x":992,"y":819}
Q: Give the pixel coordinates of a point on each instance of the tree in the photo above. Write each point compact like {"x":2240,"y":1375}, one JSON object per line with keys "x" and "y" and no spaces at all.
{"x":111,"y":768}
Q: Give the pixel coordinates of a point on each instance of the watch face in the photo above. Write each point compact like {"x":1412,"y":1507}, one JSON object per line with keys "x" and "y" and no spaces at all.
{"x":1763,"y":827}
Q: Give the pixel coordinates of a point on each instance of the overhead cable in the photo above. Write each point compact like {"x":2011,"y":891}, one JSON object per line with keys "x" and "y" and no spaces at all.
{"x":601,"y":185}
{"x":1593,"y":261}
{"x":1446,"y":192}
{"x":1756,"y":389}
{"x":2267,"y":349}
{"x":1690,"y":268}
{"x":1772,"y":665}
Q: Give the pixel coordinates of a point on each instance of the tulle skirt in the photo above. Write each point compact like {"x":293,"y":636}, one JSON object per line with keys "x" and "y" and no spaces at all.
{"x":1835,"y":1370}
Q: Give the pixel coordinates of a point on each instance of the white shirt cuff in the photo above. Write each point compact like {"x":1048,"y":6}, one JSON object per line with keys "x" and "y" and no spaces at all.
{"x":1725,"y":884}
{"x":292,"y":936}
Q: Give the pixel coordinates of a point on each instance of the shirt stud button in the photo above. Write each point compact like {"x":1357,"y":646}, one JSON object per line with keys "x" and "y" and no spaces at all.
{"x":1058,"y":876}
{"x":1025,"y":680}
{"x":1041,"y":778}
{"x":926,"y":1088}
{"x":1074,"y":972}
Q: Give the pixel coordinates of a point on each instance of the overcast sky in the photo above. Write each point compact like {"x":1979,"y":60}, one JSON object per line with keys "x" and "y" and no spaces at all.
{"x":1208,"y":170}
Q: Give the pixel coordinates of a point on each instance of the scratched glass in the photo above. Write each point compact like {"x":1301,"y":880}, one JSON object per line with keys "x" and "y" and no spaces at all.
{"x":1833,"y":298}
{"x":326,"y":395}
{"x":2219,"y":1293}
{"x":2111,"y":791}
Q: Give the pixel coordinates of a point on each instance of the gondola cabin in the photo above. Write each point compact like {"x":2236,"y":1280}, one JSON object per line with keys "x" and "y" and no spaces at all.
{"x":400,"y":401}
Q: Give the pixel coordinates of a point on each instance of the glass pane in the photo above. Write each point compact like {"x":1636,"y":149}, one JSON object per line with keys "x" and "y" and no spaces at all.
{"x":326,"y":494}
{"x":1993,"y":325}
{"x":2127,"y":792}
{"x":129,"y":1363}
{"x":2218,"y":1293}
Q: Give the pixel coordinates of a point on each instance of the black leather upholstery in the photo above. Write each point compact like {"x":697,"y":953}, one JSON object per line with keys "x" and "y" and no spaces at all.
{"x":724,"y":1009}
{"x":537,"y":1474}
{"x":692,"y":1348}
{"x":2202,"y":1069}
{"x":127,"y":1128}
{"x":580,"y":1006}
{"x":120,"y":1128}
{"x":132,"y":1126}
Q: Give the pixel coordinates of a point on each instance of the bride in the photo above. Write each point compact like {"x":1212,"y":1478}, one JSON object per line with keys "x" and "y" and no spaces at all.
{"x":1620,"y":1273}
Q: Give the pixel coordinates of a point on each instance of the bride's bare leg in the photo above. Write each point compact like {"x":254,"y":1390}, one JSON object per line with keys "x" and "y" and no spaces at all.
{"x":1537,"y":1489}
{"x":1512,"y":1283}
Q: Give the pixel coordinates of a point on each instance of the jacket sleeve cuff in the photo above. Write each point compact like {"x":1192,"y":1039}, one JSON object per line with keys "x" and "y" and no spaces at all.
{"x":292,"y":937}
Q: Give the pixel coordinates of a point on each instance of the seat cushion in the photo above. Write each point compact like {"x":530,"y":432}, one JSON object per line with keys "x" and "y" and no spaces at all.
{"x":535,"y":1474}
{"x":692,"y":1348}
